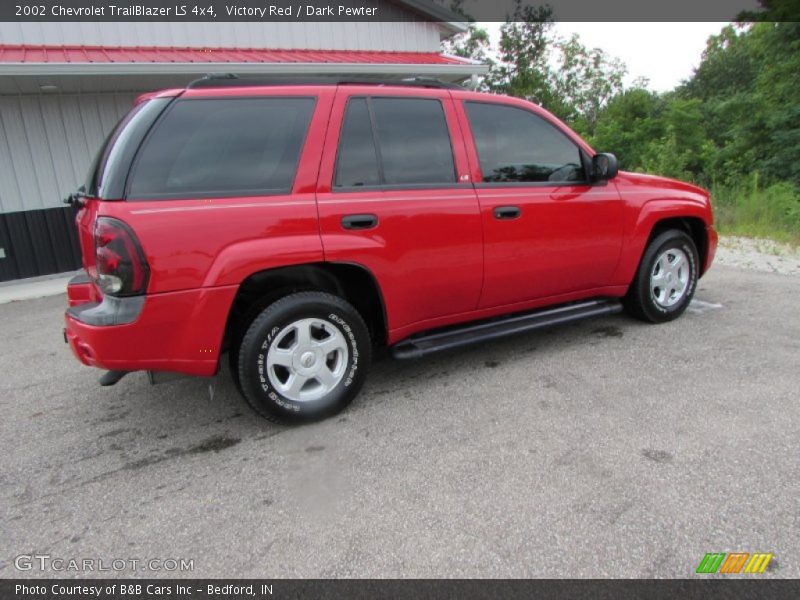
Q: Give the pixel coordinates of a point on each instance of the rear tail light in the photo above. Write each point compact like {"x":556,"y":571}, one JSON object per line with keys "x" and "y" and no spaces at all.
{"x":121,"y":267}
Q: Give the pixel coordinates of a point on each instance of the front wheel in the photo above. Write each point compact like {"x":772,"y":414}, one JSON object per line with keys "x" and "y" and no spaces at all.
{"x":304,"y":357}
{"x":666,"y":279}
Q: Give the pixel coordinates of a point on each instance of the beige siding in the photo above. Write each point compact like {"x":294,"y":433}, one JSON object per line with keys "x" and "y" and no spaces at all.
{"x":47,"y":144}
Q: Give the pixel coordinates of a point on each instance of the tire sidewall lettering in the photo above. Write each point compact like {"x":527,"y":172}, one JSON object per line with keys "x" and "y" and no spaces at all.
{"x":296,"y":407}
{"x":351,"y":338}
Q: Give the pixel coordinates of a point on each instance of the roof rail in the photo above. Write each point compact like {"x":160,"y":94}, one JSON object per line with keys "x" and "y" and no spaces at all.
{"x":216,"y":80}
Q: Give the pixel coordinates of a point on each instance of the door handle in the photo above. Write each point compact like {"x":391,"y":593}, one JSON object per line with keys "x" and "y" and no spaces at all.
{"x":507,"y":212}
{"x":359,"y":221}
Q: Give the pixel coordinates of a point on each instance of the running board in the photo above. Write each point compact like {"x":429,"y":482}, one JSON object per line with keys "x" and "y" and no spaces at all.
{"x":421,"y":345}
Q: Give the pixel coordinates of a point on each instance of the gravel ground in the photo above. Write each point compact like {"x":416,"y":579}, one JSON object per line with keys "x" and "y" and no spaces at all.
{"x":608,"y":448}
{"x":758,"y":254}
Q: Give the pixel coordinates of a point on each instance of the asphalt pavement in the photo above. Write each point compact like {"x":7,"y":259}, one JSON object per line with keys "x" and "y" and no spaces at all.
{"x":608,"y":448}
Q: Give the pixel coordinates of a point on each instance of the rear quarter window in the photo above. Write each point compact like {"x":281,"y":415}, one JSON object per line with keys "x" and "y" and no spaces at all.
{"x":222,"y":147}
{"x":110,"y":168}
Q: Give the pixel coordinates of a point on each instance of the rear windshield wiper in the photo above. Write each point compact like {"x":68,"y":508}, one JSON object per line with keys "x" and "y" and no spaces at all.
{"x":79,"y":196}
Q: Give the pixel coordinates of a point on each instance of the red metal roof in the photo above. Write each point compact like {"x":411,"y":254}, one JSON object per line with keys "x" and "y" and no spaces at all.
{"x":139,"y":54}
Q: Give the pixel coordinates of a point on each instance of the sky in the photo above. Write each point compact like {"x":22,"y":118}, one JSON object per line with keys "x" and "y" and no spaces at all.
{"x":664,"y":53}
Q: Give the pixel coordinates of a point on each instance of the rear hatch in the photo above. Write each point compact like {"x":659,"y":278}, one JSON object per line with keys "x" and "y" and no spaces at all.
{"x":109,"y":171}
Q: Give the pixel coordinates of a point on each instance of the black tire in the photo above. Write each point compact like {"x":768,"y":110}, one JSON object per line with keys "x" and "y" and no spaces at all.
{"x":257,"y":384}
{"x":233,"y":365}
{"x":640,"y":302}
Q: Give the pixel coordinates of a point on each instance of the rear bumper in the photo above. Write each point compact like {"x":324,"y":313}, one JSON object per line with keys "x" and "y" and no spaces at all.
{"x":175,"y":331}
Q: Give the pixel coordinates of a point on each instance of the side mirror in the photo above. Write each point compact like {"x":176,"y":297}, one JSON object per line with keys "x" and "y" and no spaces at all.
{"x":604,"y":167}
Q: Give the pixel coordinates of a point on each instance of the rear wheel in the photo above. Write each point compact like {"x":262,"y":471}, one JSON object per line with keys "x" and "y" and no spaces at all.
{"x":304,"y":357}
{"x":666,"y":279}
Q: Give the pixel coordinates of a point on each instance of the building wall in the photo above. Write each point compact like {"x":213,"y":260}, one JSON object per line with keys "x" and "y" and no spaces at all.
{"x":47,"y":143}
{"x":407,"y":34}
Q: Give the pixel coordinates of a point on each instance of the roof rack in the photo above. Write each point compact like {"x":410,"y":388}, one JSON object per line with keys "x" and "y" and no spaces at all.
{"x":216,"y":80}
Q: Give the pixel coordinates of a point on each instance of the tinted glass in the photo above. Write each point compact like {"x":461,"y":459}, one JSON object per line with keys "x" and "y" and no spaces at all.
{"x":223,"y":147}
{"x":414,"y":141}
{"x":516,"y":145}
{"x":357,"y":161}
{"x":112,"y":163}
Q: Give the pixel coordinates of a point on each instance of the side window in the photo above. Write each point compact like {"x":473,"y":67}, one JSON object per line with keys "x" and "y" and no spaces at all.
{"x":357,"y":162}
{"x":515,"y":145}
{"x":413,"y":143}
{"x":223,"y":147}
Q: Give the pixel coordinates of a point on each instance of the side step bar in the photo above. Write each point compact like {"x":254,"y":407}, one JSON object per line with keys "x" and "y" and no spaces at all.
{"x":421,"y":345}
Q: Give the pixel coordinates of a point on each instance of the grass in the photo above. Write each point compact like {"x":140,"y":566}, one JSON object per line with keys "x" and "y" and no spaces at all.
{"x":750,"y":210}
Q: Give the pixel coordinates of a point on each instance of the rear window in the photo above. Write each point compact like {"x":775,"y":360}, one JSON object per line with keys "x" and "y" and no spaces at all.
{"x":222,"y":147}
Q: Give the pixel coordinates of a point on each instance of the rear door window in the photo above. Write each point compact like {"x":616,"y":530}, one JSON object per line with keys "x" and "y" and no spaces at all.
{"x":223,"y":147}
{"x":413,"y":143}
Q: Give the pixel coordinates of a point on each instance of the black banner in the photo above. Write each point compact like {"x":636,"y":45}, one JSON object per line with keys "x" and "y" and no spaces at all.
{"x":288,"y":11}
{"x":461,"y":589}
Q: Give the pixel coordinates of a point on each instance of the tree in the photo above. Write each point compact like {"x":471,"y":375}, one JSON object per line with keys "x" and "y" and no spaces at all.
{"x":523,"y":69}
{"x":526,"y":57}
{"x":683,"y":150}
{"x":748,"y":84}
{"x":585,"y":81}
{"x":474,"y":43}
{"x":628,"y":125}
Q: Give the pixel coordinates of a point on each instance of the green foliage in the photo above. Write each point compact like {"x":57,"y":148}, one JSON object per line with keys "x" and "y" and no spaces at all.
{"x":774,"y":10}
{"x":523,"y":67}
{"x":584,"y":82}
{"x":748,"y":209}
{"x":573,"y":82}
{"x":628,"y":126}
{"x":734,"y":127}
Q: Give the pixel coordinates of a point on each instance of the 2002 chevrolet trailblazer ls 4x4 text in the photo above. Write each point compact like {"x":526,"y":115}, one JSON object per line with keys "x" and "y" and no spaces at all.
{"x":298,"y":226}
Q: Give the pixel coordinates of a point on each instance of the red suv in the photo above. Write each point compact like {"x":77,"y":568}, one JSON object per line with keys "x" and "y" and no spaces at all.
{"x":299,"y":226}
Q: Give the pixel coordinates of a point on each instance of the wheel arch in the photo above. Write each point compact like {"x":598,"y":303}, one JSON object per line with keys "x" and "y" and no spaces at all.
{"x":694,"y":226}
{"x":656,"y":216}
{"x":353,"y":282}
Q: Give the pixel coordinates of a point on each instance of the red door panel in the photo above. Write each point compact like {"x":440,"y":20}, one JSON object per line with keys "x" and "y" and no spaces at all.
{"x":425,"y":248}
{"x":541,"y":239}
{"x":565,"y":239}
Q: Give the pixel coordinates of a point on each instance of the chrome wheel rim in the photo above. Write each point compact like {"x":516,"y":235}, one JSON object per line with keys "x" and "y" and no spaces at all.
{"x":307,"y":359}
{"x":669,"y":278}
